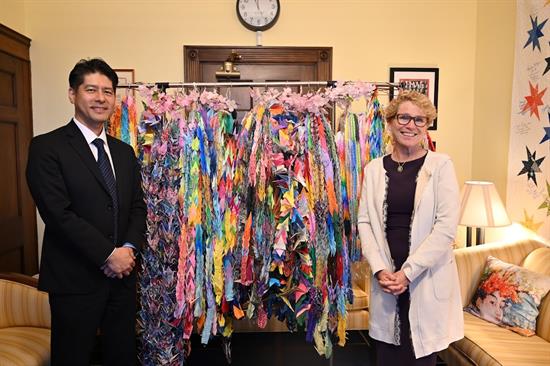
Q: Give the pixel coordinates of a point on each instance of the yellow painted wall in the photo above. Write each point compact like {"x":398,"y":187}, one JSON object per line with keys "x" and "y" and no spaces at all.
{"x":368,"y":37}
{"x":494,"y":67}
{"x":496,"y":26}
{"x":12,"y":15}
{"x":471,"y":41}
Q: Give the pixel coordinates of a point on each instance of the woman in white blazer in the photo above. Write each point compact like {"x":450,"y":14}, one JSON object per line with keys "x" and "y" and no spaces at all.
{"x":408,"y":216}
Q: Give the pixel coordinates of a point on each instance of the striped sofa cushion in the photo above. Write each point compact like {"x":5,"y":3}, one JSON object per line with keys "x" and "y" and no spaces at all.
{"x":24,"y":346}
{"x":489,"y":345}
{"x":539,"y":261}
{"x":22,"y":305}
{"x":360,"y":299}
{"x":358,"y":320}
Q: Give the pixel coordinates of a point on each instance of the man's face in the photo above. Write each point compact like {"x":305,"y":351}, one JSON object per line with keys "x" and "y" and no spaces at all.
{"x":94,"y":100}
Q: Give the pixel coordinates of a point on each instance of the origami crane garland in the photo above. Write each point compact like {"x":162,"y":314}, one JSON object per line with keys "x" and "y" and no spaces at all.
{"x":255,"y":218}
{"x":123,"y":123}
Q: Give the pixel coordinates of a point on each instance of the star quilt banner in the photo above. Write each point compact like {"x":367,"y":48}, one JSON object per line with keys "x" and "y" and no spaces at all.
{"x":528,"y":193}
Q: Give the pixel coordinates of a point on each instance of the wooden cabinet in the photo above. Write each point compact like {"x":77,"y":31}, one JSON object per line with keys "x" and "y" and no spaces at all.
{"x":258,"y":64}
{"x":18,"y":243}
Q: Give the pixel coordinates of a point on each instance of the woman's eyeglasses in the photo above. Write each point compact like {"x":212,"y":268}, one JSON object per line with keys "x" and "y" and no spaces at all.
{"x":404,"y":119}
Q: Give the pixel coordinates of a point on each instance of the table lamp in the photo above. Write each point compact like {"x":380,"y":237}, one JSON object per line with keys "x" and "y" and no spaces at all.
{"x":481,"y":207}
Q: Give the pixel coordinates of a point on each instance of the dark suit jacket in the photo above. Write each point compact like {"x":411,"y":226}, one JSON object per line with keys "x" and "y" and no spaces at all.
{"x":71,"y":196}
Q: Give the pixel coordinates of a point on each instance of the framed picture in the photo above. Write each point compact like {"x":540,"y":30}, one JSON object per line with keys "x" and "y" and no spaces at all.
{"x":423,"y":80}
{"x":125,"y":77}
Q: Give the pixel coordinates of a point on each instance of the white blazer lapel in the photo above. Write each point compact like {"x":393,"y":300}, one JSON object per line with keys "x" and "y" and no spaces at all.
{"x":424,"y":176}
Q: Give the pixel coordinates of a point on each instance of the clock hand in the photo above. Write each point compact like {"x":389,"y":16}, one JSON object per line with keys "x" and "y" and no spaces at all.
{"x":257,"y":4}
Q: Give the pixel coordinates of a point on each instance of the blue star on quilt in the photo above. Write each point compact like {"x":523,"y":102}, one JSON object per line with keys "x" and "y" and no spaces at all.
{"x":546,"y":136}
{"x":535,"y":33}
{"x":547,"y":59}
{"x":547,"y":63}
{"x":531,"y":166}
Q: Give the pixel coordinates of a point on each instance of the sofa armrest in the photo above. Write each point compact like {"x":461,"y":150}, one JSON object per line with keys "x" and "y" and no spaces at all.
{"x":538,"y":261}
{"x":20,"y":278}
{"x":21,"y":303}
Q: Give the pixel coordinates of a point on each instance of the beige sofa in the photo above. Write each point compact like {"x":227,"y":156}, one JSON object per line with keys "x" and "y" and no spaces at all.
{"x":487,"y":344}
{"x":24,"y":322}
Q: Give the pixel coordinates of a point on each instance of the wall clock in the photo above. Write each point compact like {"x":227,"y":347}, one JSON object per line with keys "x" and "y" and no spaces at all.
{"x":258,"y":15}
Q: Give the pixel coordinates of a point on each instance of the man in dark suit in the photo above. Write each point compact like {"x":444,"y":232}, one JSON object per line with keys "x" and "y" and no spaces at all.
{"x":87,"y":188}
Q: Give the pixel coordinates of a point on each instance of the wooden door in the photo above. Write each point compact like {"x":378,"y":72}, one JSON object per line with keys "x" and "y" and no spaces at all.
{"x":18,"y":244}
{"x":258,"y":64}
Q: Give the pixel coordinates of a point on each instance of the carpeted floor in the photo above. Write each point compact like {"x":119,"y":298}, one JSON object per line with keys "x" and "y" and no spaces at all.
{"x":278,"y":349}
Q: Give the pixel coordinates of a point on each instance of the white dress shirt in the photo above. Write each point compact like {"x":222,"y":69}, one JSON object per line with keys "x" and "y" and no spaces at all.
{"x":90,"y":136}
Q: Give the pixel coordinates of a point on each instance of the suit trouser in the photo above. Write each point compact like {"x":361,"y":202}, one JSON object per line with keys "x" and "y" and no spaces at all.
{"x":76,"y":318}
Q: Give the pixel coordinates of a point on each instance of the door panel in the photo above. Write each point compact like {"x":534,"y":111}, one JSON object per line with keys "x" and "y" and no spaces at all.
{"x":7,"y":98}
{"x":259,"y":72}
{"x":9,"y":186}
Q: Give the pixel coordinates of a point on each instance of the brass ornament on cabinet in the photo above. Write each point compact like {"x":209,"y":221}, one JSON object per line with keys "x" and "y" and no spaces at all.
{"x":193,"y":54}
{"x":229,"y":70}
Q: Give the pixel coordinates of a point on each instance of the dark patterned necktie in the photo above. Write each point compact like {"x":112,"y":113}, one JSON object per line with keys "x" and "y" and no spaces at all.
{"x":109,"y":177}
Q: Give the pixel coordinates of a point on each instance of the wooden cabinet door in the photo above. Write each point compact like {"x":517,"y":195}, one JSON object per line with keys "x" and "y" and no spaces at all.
{"x":258,"y":64}
{"x":18,"y":244}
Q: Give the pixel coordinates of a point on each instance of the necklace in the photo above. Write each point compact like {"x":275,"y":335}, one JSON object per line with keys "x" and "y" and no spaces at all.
{"x":400,"y":166}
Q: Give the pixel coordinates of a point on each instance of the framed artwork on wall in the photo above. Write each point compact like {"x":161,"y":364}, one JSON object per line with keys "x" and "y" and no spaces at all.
{"x":423,"y":80}
{"x":125,"y":77}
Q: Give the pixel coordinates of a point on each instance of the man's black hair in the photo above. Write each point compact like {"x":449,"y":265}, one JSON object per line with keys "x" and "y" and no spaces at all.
{"x":91,"y":66}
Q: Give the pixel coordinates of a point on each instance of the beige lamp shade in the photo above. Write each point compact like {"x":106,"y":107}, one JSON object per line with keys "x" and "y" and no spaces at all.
{"x":480,"y":206}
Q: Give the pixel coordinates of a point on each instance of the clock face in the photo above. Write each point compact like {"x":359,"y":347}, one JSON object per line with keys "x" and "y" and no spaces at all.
{"x":258,"y":15}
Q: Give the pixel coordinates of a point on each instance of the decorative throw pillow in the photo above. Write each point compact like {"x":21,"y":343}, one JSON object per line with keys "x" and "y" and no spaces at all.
{"x":509,"y":296}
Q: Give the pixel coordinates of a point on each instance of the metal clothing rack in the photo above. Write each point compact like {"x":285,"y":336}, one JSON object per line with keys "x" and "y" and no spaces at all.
{"x":236,"y":84}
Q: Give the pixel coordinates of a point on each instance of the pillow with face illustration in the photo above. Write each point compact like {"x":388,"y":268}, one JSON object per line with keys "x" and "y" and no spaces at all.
{"x":509,"y":296}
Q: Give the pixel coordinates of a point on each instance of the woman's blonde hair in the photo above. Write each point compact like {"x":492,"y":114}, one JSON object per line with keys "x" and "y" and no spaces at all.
{"x":416,"y":98}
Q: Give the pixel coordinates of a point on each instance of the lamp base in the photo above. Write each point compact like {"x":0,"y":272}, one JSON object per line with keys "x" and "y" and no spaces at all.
{"x":480,"y":236}
{"x":468,"y":236}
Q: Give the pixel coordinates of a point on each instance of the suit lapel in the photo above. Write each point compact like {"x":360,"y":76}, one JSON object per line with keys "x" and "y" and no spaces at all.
{"x":78,"y":143}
